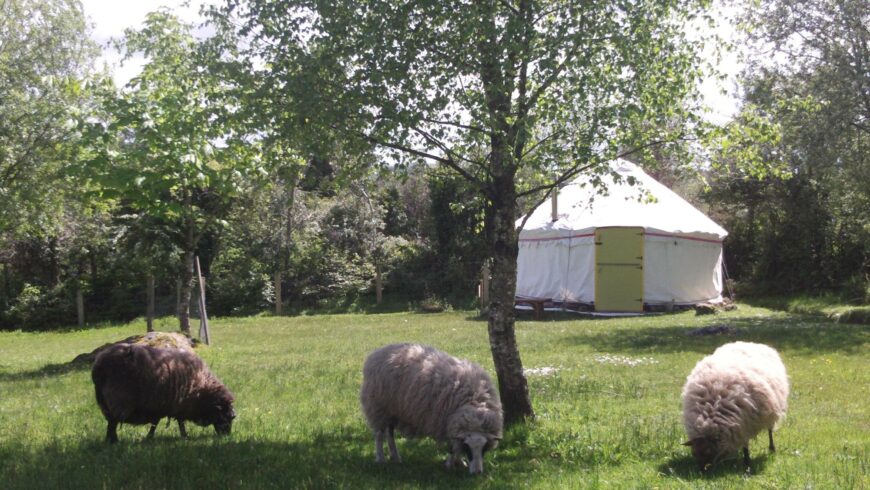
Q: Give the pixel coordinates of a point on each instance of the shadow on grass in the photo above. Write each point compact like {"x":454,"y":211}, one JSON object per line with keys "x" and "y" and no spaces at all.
{"x":344,"y":459}
{"x":563,"y":316}
{"x":795,"y":333}
{"x":684,"y":467}
{"x":46,"y":371}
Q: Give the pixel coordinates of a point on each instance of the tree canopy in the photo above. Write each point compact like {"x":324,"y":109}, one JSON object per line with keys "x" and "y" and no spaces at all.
{"x":516,"y":97}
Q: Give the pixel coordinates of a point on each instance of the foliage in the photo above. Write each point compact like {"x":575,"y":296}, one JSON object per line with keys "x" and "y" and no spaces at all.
{"x":35,"y":308}
{"x":238,"y":284}
{"x":168,"y":150}
{"x":45,"y":60}
{"x":609,"y":410}
{"x":485,"y":90}
{"x":806,"y":113}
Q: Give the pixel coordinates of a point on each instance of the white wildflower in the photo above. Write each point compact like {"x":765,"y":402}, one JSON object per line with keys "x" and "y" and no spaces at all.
{"x":623,"y":360}
{"x":541,"y":371}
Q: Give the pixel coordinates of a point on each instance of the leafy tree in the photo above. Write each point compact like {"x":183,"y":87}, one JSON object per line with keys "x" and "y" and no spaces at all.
{"x":168,"y":150}
{"x":45,"y":56}
{"x":506,"y":93}
{"x":807,"y":112}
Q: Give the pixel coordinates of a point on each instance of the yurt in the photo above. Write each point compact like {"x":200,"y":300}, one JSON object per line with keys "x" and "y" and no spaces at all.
{"x":630,"y":247}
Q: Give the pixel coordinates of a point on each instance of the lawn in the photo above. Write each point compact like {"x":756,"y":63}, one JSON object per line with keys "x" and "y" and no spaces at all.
{"x":608,"y":414}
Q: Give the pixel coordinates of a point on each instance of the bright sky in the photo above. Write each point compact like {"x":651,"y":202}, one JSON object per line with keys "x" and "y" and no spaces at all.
{"x":111,"y":17}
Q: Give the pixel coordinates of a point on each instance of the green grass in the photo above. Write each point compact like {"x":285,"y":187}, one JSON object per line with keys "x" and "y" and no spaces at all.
{"x":829,"y":305}
{"x":602,"y":423}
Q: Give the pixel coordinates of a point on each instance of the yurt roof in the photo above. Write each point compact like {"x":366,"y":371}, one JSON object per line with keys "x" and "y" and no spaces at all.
{"x":647,"y":204}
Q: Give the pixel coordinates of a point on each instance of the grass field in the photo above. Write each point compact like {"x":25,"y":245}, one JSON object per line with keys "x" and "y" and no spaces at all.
{"x":608,"y":415}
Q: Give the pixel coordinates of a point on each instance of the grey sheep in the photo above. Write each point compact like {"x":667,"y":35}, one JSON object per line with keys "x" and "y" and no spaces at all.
{"x":140,"y":384}
{"x":731,"y":396}
{"x":421,"y":391}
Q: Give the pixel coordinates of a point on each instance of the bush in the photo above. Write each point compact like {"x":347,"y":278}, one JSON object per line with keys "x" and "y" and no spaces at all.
{"x":238,"y":285}
{"x":37,"y":309}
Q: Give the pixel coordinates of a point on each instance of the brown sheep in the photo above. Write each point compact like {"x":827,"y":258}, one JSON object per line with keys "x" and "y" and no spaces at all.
{"x":140,"y":384}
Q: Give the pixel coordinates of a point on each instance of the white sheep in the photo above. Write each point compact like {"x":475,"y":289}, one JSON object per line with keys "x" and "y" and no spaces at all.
{"x":731,"y":396}
{"x":422,"y":391}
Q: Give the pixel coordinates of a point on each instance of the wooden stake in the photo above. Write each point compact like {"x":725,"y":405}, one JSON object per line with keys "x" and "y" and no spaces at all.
{"x":203,"y":316}
{"x":149,"y":310}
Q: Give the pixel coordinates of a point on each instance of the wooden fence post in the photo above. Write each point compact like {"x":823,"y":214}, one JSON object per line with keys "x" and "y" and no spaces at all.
{"x":203,"y":316}
{"x":149,"y":310}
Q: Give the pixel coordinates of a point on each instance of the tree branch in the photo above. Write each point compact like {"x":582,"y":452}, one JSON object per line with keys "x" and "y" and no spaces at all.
{"x":542,"y":141}
{"x":457,"y":125}
{"x":450,"y":162}
{"x":509,"y":6}
{"x":576,"y":169}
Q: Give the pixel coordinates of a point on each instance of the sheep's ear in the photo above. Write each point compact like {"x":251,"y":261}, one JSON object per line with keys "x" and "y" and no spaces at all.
{"x":688,"y":443}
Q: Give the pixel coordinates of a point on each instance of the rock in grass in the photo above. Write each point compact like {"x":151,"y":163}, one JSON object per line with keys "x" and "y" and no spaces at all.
{"x":164,"y":340}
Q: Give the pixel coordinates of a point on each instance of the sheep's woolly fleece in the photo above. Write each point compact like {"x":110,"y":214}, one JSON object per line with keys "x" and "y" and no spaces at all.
{"x":139,"y":384}
{"x":735,"y":393}
{"x":428,"y":393}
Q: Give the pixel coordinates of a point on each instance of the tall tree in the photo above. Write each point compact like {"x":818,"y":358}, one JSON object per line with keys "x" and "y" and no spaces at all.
{"x":45,"y":57}
{"x":515,"y":96}
{"x":168,"y":150}
{"x":806,"y":110}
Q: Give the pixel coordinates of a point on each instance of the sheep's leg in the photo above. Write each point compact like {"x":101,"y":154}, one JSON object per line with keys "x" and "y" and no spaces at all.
{"x":379,"y":446}
{"x":391,"y":440}
{"x":772,"y":447}
{"x":182,"y":429}
{"x":112,"y":432}
{"x":746,"y":457}
{"x":151,"y":432}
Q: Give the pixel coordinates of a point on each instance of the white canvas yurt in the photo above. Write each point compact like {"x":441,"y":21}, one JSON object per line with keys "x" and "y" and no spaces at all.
{"x":632,"y":246}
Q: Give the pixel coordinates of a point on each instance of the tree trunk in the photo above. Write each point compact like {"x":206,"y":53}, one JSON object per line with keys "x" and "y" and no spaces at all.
{"x":379,"y":284}
{"x":149,"y":311}
{"x":80,"y":304}
{"x":6,"y":288}
{"x":502,"y":235}
{"x":184,"y":295}
{"x":279,"y":301}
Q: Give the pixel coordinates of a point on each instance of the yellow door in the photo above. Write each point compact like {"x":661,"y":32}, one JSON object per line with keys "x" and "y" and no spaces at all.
{"x":619,"y":269}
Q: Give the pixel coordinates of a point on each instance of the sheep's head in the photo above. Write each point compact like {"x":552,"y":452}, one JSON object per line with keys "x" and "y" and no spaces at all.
{"x":224,"y":416}
{"x":705,"y":450}
{"x":216,"y":409}
{"x":474,"y":446}
{"x":474,"y":430}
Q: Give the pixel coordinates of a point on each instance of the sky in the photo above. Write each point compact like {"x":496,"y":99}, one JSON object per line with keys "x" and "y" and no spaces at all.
{"x":110,"y":18}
